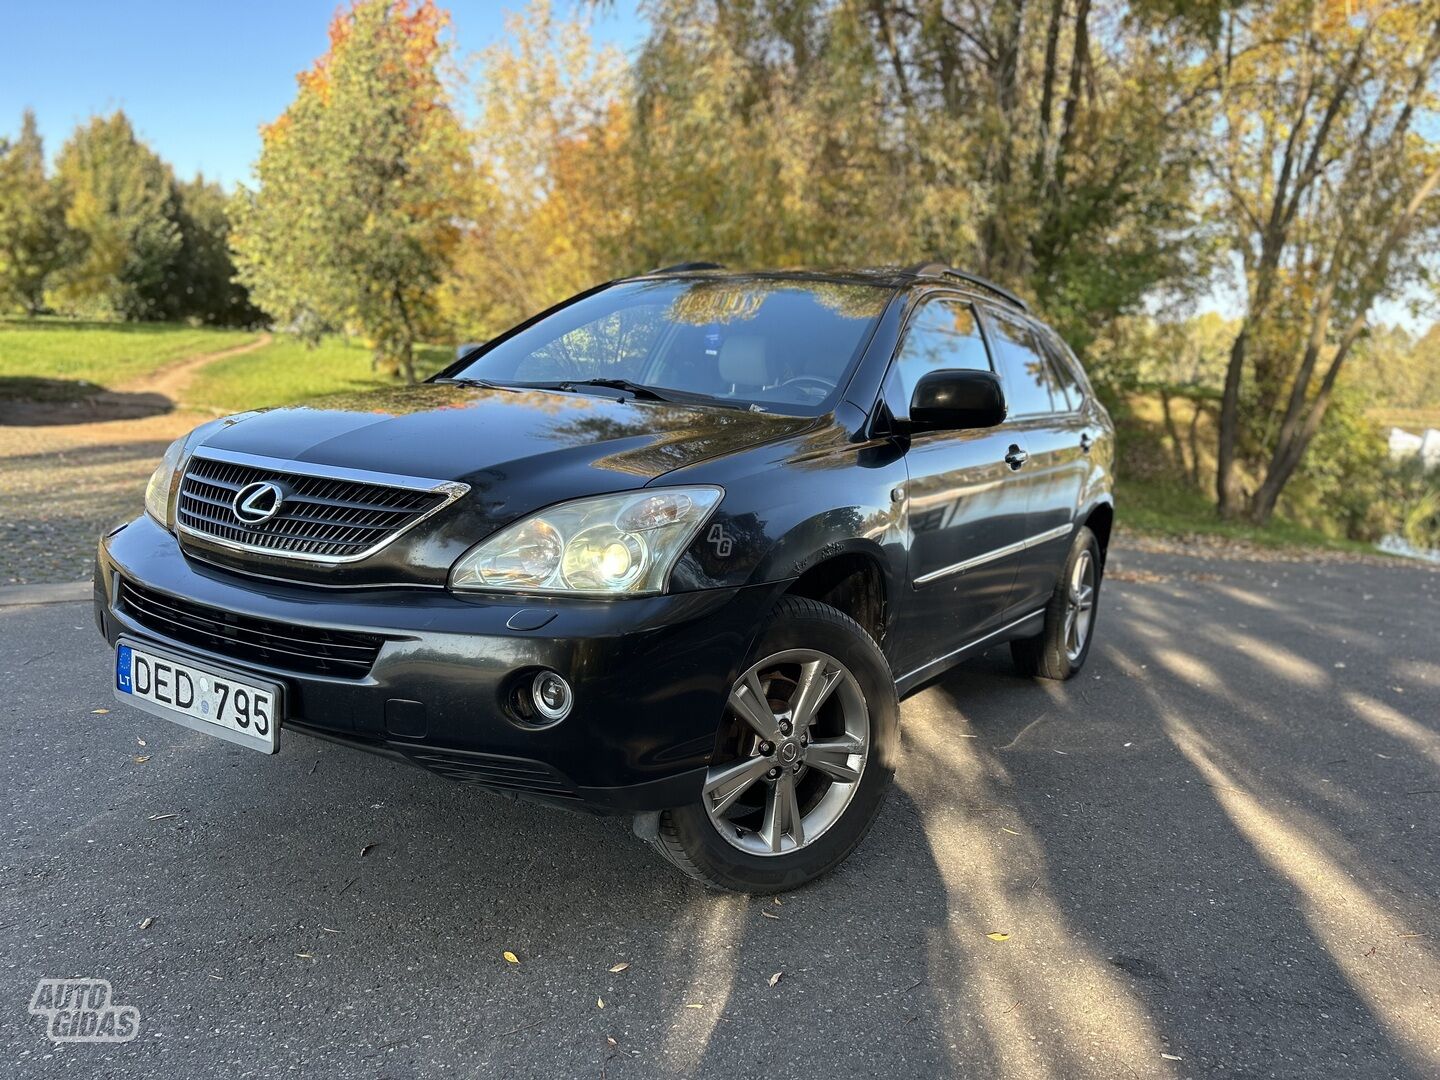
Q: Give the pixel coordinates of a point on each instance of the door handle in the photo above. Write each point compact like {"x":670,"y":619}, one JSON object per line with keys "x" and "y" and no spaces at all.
{"x":1016,"y":457}
{"x":1086,"y":442}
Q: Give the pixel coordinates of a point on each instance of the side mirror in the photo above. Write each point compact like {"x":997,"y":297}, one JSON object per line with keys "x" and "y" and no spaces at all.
{"x":957,"y":400}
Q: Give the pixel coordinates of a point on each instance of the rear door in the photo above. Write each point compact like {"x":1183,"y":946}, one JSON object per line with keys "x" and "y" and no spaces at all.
{"x":1045,"y":413}
{"x":966,"y":515}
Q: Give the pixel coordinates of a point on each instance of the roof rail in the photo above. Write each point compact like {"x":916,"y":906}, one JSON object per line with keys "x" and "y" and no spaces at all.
{"x":680,"y":267}
{"x":940,"y":269}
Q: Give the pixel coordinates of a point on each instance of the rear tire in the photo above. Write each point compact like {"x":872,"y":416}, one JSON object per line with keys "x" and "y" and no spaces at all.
{"x":783,"y":805}
{"x":1060,"y":650}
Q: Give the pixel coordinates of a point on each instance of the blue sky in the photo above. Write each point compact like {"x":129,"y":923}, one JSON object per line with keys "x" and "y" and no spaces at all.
{"x":197,"y":78}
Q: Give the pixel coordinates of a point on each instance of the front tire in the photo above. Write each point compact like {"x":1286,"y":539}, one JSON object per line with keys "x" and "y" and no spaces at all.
{"x":803,"y":759}
{"x":1059,"y":651}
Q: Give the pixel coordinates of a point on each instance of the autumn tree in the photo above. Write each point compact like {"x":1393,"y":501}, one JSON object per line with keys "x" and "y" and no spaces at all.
{"x":122,"y":217}
{"x":354,"y":218}
{"x":550,"y":207}
{"x":32,"y":220}
{"x":1324,"y":183}
{"x":760,"y":139}
{"x":1050,"y":146}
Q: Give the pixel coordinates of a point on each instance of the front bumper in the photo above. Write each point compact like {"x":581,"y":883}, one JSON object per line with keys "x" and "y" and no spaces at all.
{"x":651,"y":675}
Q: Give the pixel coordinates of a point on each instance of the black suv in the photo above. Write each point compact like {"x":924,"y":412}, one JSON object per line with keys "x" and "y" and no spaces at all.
{"x":673,"y":548}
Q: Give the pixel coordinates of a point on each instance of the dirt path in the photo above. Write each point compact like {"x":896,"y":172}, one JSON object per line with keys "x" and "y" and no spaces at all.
{"x":72,"y":469}
{"x":174,"y":379}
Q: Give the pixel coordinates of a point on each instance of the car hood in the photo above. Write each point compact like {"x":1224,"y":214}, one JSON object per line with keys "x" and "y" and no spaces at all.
{"x":517,"y":450}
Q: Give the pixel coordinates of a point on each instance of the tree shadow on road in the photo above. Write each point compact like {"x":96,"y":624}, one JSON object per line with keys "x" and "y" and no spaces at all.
{"x":33,"y":402}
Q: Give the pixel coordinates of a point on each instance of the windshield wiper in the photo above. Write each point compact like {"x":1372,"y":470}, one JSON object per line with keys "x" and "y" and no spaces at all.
{"x":483,"y":384}
{"x":640,"y":390}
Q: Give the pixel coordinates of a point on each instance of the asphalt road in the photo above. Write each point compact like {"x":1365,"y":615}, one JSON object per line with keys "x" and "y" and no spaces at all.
{"x":1216,"y":853}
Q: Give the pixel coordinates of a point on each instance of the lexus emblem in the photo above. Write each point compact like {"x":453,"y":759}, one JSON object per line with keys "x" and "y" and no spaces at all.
{"x":258,"y":502}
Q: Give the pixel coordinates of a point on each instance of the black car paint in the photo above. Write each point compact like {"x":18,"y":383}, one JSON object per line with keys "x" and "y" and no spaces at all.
{"x":652,"y":673}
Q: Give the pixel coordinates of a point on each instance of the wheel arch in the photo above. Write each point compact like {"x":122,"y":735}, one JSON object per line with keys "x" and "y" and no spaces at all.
{"x":1100,"y":520}
{"x":852,"y":580}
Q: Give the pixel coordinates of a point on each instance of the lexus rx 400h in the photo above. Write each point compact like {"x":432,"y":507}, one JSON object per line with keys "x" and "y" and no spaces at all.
{"x":673,"y":548}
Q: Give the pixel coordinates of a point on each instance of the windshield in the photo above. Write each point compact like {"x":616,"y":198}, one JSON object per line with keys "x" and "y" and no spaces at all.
{"x":778,"y":344}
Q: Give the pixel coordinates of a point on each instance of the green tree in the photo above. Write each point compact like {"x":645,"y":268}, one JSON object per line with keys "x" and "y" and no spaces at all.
{"x":1325,"y":183}
{"x":32,"y":220}
{"x":123,"y":219}
{"x":354,"y":219}
{"x":210,"y":292}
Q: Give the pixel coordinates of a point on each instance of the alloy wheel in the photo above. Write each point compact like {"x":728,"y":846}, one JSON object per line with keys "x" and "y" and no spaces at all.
{"x":1079,"y":606}
{"x":794,"y":752}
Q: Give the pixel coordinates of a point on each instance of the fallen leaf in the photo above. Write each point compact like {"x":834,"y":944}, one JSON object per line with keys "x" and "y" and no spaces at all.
{"x":102,"y":712}
{"x":510,"y":957}
{"x":617,"y":968}
{"x":147,"y":924}
{"x":140,"y":759}
{"x":998,"y":936}
{"x":161,"y":817}
{"x":366,"y":850}
{"x":599,"y":1003}
{"x":776,"y":977}
{"x":610,"y":1041}
{"x":769,"y":915}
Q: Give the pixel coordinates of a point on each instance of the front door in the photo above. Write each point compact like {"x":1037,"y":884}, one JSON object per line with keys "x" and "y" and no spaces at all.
{"x":967,"y":518}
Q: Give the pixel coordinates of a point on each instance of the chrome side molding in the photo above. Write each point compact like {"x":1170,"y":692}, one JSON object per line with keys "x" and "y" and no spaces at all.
{"x":999,"y":553}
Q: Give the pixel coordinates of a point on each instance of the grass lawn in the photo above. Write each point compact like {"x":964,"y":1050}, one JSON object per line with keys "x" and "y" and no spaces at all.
{"x":288,"y":371}
{"x":1166,"y":509}
{"x":100,"y":353}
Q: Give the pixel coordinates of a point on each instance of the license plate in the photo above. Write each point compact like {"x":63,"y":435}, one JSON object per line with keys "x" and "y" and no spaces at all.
{"x":200,"y":696}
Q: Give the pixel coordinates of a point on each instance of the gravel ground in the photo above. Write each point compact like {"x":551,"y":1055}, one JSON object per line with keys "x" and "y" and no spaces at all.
{"x":67,"y":484}
{"x":1215,"y":853}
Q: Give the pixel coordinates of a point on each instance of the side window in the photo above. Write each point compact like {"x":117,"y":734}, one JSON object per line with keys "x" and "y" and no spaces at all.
{"x":1064,"y":362}
{"x":942,"y":334}
{"x":1029,"y":379}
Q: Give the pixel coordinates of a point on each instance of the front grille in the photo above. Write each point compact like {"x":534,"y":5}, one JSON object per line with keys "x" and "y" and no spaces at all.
{"x":495,"y":771}
{"x":321,"y":518}
{"x":305,"y":649}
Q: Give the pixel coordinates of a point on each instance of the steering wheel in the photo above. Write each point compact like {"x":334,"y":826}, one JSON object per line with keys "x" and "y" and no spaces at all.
{"x":816,"y":382}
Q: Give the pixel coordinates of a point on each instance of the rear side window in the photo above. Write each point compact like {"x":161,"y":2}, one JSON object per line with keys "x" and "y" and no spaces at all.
{"x":943,"y":334}
{"x":1031,"y":386}
{"x":1066,"y":368}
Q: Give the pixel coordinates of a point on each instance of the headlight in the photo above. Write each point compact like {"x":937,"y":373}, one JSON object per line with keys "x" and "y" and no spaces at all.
{"x":608,"y":545}
{"x":164,"y":484}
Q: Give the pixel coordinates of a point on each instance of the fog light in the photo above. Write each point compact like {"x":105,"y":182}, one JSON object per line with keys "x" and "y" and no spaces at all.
{"x":551,"y":695}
